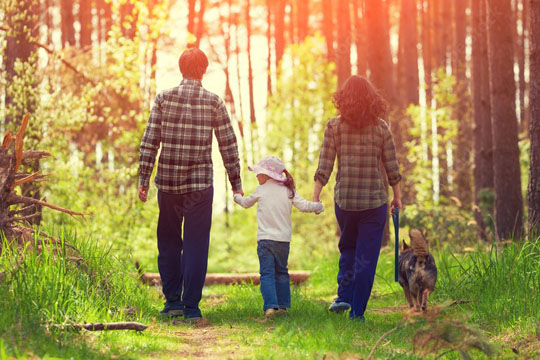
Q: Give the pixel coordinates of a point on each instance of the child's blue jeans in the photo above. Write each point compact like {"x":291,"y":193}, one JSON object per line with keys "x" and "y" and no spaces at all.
{"x":275,"y":283}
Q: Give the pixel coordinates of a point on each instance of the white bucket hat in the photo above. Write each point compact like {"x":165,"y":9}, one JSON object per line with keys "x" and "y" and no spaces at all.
{"x":271,"y":166}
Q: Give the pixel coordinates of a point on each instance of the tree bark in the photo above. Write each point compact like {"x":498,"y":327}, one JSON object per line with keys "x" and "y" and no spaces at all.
{"x":379,"y":55}
{"x":302,"y":16}
{"x":253,"y":120}
{"x":463,"y":173}
{"x":534,"y":125}
{"x":360,"y":37}
{"x":523,"y":43}
{"x":408,"y":38}
{"x":328,"y":29}
{"x":269,"y":48}
{"x":85,"y":19}
{"x":200,"y":23}
{"x":67,"y":20}
{"x":191,"y":16}
{"x":508,"y":197}
{"x":483,"y":154}
{"x":279,"y":31}
{"x":427,"y":56}
{"x":344,"y":42}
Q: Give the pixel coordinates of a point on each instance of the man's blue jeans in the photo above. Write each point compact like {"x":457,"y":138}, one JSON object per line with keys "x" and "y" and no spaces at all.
{"x":275,"y":282}
{"x":182,"y":260}
{"x":359,"y":245}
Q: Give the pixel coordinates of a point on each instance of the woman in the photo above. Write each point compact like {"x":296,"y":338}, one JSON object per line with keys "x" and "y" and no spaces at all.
{"x":359,"y":137}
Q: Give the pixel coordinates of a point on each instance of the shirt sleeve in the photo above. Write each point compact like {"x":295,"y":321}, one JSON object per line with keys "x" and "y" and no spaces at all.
{"x":228,"y":146}
{"x":389,"y":158}
{"x":249,"y":201}
{"x":306,"y":206}
{"x":326,"y":157}
{"x":150,"y":143}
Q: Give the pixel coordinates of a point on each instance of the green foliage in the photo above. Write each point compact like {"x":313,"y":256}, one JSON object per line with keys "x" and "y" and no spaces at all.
{"x":56,"y":285}
{"x":433,"y":134}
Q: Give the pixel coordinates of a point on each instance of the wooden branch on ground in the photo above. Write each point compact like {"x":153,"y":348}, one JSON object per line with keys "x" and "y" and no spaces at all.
{"x":370,"y":356}
{"x":17,"y":199}
{"x":297,"y":277}
{"x":103,"y":326}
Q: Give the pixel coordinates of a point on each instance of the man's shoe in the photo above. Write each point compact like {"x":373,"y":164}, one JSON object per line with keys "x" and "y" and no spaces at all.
{"x":192,"y":315}
{"x":172,"y":308}
{"x":339,"y":306}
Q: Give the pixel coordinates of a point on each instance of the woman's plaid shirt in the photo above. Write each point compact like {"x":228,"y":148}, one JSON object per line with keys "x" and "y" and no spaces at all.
{"x":182,"y":120}
{"x":359,"y":183}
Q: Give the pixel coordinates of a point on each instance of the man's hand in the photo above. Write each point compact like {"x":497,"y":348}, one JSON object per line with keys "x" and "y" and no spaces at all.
{"x":239,"y":191}
{"x":143,"y":193}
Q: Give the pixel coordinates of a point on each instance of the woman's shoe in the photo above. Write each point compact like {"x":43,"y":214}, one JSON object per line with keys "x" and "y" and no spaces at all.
{"x":339,"y":306}
{"x":282,"y":312}
{"x":270,"y":313}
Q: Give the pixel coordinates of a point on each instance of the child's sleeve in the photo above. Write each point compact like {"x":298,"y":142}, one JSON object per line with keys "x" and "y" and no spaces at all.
{"x":249,"y":201}
{"x":307,"y":206}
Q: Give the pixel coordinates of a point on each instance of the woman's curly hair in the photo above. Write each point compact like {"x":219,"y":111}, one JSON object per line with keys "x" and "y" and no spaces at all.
{"x":359,"y":103}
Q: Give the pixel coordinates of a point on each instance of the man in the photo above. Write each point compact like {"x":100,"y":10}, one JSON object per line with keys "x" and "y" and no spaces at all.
{"x":182,"y":121}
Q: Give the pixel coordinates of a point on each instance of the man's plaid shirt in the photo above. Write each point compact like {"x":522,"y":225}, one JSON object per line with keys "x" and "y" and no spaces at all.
{"x":182,"y":120}
{"x":359,"y":183}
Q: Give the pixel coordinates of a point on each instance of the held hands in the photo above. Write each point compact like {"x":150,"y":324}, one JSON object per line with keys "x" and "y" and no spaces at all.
{"x":396,"y":203}
{"x":143,"y":193}
{"x":321,"y":209}
{"x":239,"y":191}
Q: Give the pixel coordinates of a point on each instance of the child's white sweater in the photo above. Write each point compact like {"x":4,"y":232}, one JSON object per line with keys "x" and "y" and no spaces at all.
{"x":274,"y":209}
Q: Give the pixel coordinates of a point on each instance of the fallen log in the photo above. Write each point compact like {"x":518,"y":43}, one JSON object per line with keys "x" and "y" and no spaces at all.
{"x":297,"y":277}
{"x":103,"y":326}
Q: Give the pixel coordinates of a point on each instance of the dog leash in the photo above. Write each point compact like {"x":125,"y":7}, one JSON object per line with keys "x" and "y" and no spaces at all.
{"x":395,"y":218}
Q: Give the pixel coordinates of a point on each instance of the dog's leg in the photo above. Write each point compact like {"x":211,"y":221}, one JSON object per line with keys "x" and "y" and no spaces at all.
{"x":418,"y":301}
{"x":408,"y":296}
{"x":425,"y":295}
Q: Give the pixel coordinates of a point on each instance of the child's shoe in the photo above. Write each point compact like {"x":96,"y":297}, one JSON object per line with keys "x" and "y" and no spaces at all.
{"x":339,"y":306}
{"x":270,"y":313}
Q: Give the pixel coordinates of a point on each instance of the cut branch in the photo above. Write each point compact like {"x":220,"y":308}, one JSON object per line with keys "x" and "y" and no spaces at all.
{"x":16,"y":199}
{"x":103,"y":326}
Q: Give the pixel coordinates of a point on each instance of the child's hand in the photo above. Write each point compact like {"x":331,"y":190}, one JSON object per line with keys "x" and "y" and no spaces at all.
{"x":320,"y":210}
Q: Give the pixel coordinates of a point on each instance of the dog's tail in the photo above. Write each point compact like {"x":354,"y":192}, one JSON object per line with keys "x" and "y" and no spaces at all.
{"x":418,"y":243}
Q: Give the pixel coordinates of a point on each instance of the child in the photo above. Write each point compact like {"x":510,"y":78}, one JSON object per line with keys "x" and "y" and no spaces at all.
{"x":275,"y":194}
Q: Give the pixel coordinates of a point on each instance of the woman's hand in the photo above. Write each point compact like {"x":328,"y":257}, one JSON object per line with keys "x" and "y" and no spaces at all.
{"x":395,"y":204}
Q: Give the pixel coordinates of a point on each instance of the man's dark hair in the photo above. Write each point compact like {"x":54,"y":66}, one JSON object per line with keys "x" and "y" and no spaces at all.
{"x":193,"y":63}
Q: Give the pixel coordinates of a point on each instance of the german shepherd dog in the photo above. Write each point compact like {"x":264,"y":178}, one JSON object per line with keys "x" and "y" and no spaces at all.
{"x":417,"y":271}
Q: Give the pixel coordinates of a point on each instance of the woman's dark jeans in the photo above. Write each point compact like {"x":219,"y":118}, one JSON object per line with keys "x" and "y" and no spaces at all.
{"x":275,"y":282}
{"x":359,"y":245}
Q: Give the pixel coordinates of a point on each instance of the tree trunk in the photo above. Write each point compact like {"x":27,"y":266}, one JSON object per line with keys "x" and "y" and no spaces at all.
{"x":269,"y":43}
{"x":508,"y":198}
{"x":427,"y":56}
{"x":534,"y":125}
{"x":344,"y":42}
{"x":191,"y":16}
{"x":379,"y":55}
{"x":408,"y":38}
{"x":85,"y":19}
{"x":253,"y":120}
{"x":360,"y":37}
{"x":302,"y":16}
{"x":483,"y":154}
{"x":521,"y":58}
{"x":67,"y":20}
{"x":328,"y":28}
{"x":292,"y":33}
{"x":200,"y":23}
{"x":279,"y":31}
{"x":463,"y":173}
{"x":128,"y":19}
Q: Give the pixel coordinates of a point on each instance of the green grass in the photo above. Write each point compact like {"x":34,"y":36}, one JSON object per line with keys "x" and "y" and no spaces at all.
{"x":48,"y":287}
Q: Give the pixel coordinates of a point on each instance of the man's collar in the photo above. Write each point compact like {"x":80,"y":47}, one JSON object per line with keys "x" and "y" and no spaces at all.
{"x":187,"y":81}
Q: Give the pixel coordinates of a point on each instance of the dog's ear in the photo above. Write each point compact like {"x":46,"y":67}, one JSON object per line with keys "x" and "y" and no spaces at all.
{"x":405,"y":246}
